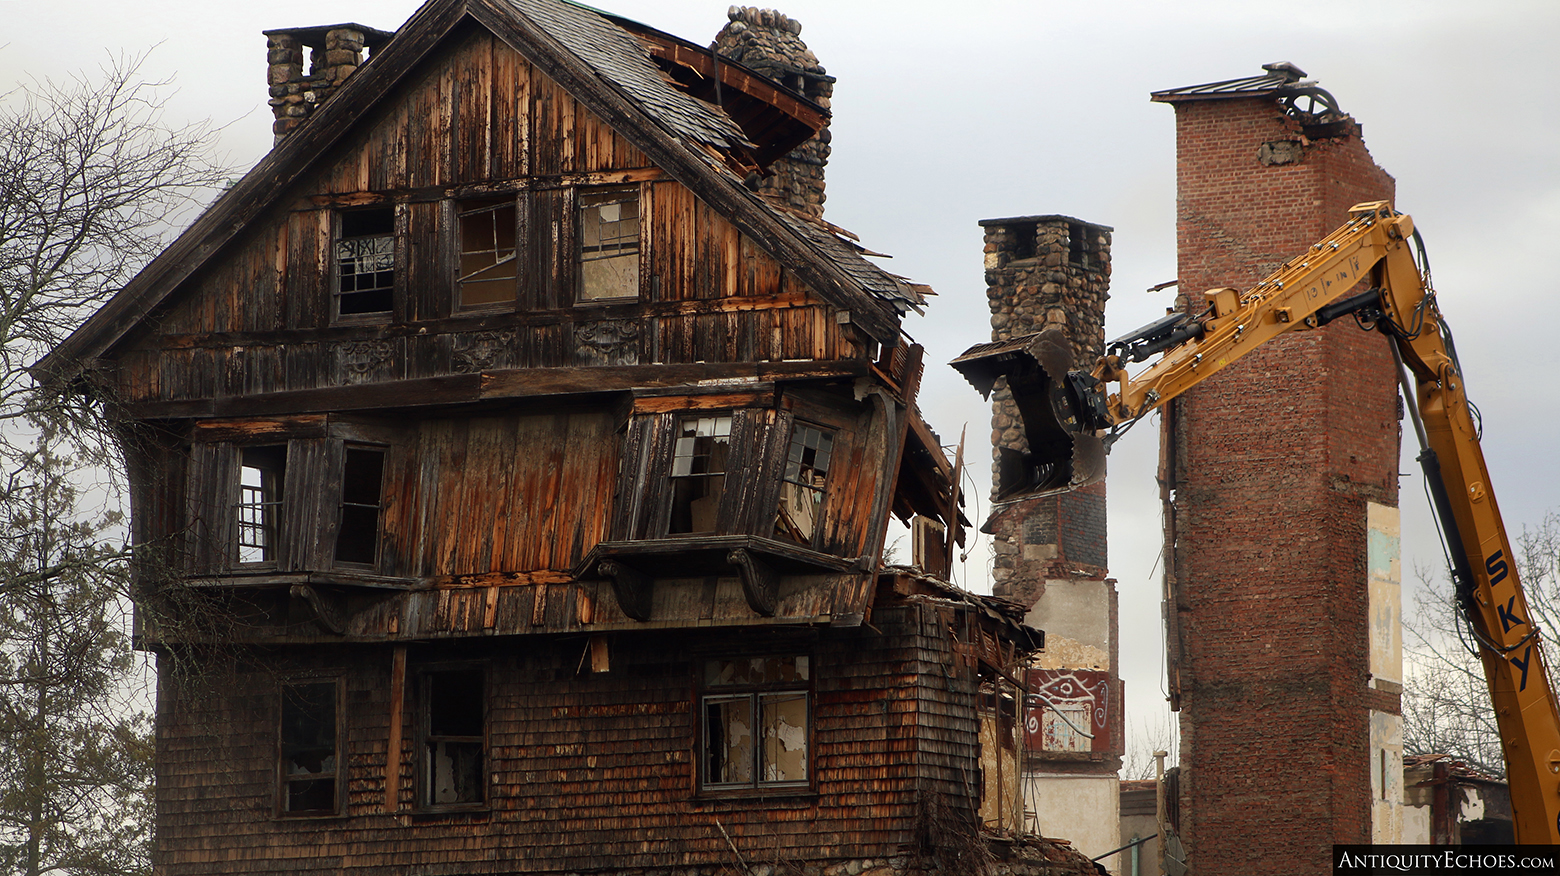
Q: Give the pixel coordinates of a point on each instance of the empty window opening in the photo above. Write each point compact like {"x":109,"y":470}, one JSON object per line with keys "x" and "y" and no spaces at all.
{"x":1024,"y":240}
{"x":453,"y":732}
{"x":261,"y":473}
{"x":755,"y":723}
{"x":699,"y":473}
{"x":1079,"y":246}
{"x":488,"y":272}
{"x":365,"y":262}
{"x":362,"y":491}
{"x":609,"y":244}
{"x":311,"y":762}
{"x":801,"y":491}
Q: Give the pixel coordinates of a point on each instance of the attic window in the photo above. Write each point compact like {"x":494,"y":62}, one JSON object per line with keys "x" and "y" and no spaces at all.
{"x":365,"y":262}
{"x":609,"y":244}
{"x":261,"y":471}
{"x":488,"y":265}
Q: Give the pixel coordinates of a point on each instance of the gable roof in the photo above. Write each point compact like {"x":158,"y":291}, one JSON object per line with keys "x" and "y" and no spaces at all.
{"x":600,"y":64}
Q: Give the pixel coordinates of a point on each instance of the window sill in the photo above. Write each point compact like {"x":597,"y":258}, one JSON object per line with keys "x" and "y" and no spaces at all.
{"x":309,"y":816}
{"x":808,"y":795}
{"x":463,"y":814}
{"x":270,"y":578}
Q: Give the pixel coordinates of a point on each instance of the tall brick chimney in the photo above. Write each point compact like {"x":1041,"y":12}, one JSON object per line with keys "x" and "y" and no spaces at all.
{"x":1280,"y":476}
{"x":335,"y":52}
{"x":771,"y":44}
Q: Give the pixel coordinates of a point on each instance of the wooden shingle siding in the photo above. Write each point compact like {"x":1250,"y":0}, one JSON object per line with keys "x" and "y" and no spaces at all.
{"x":588,"y":771}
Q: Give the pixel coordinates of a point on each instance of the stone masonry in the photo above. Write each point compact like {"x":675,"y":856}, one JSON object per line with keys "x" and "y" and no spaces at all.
{"x":1045,"y":272}
{"x":770,"y":43}
{"x":335,"y":53}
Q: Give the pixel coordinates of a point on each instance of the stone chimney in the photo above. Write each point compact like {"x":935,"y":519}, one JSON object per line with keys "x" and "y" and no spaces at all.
{"x":770,"y":43}
{"x":1045,"y":272}
{"x":335,"y":52}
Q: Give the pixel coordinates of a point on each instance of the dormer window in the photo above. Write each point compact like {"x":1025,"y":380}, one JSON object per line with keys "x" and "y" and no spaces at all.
{"x":261,"y":474}
{"x":609,"y":244}
{"x":699,"y":473}
{"x":365,"y":263}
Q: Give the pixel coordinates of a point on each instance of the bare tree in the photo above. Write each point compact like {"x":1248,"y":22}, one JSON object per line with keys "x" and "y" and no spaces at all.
{"x":90,"y":179}
{"x":92,"y":182}
{"x":1446,"y":703}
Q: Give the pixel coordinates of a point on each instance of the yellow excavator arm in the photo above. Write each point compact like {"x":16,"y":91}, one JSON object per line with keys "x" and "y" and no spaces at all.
{"x":1079,"y":412}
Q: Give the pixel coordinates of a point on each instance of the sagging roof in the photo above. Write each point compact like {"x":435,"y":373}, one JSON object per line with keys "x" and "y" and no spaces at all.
{"x":608,"y":69}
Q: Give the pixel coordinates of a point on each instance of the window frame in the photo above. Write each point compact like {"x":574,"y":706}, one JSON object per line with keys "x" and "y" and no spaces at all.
{"x":707,"y":693}
{"x":820,"y":518}
{"x":377,"y":563}
{"x":424,"y":737}
{"x":337,"y":238}
{"x":706,"y":477}
{"x":463,"y":208}
{"x":272,"y":506}
{"x":581,"y":196}
{"x":338,"y":776}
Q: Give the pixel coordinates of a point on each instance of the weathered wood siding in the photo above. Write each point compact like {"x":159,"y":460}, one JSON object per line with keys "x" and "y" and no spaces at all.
{"x":481,"y":121}
{"x":587,"y":771}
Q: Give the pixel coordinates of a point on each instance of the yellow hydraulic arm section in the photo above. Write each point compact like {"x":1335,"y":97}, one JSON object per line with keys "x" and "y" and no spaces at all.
{"x":1373,"y":248}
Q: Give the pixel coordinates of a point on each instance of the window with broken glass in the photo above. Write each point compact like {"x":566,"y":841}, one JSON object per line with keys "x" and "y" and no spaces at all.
{"x":365,"y":263}
{"x":802,"y":489}
{"x":699,"y":455}
{"x":261,"y":473}
{"x":454,"y":735}
{"x":310,"y":748}
{"x":755,"y":723}
{"x":609,"y":244}
{"x":488,"y":274}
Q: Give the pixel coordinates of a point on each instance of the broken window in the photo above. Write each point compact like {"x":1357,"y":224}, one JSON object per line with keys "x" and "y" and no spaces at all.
{"x":261,"y":473}
{"x":699,"y":472}
{"x":454,"y":737}
{"x":362,"y":502}
{"x":365,"y":262}
{"x":801,"y":491}
{"x":609,"y":244}
{"x":310,"y":748}
{"x":755,"y":723}
{"x":488,"y":273}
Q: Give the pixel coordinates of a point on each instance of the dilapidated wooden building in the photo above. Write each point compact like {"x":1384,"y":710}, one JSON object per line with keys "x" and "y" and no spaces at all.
{"x":512,"y":451}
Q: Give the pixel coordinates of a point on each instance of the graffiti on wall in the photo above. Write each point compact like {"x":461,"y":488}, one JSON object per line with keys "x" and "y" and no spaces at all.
{"x":1066,"y":707}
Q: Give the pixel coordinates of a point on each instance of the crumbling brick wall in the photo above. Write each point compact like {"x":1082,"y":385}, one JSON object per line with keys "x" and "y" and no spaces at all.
{"x":1270,"y":466}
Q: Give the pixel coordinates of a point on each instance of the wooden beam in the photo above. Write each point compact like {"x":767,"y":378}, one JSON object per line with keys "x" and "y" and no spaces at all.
{"x":393,"y":748}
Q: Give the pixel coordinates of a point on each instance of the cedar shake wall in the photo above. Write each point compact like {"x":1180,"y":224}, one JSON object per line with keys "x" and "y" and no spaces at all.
{"x":590,"y":771}
{"x":1273,"y":462}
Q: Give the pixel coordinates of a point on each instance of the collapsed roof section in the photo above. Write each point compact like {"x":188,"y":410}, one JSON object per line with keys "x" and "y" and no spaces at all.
{"x":1310,"y":105}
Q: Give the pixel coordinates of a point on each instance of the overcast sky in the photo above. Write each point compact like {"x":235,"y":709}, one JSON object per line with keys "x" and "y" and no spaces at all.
{"x":949,"y":113}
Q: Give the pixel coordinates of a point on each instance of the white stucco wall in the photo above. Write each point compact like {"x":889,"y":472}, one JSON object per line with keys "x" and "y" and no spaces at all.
{"x":1075,"y":615}
{"x":1085,"y":810}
